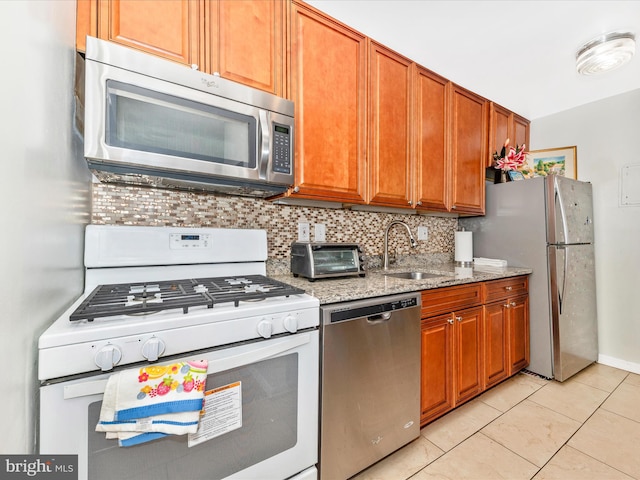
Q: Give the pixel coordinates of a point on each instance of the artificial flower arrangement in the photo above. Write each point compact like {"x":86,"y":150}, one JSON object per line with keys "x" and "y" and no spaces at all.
{"x":513,"y":160}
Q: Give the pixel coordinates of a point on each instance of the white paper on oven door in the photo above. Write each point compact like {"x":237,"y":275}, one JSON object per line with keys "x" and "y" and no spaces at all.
{"x":222,"y":413}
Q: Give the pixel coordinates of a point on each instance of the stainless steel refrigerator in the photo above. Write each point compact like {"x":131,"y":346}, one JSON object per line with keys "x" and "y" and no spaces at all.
{"x":546,"y":223}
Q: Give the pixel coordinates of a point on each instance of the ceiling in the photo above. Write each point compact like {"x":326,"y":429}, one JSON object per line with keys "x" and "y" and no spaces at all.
{"x":520,"y":54}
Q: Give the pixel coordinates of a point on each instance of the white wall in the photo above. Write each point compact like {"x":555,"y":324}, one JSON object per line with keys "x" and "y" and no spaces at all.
{"x":606,"y":134}
{"x":44,"y":199}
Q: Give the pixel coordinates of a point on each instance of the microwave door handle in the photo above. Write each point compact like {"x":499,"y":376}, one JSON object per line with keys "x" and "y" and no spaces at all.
{"x":264,"y":140}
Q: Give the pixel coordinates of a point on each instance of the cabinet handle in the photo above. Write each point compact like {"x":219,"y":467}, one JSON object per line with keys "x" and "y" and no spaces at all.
{"x":459,"y":319}
{"x":418,"y":203}
{"x":506,"y":305}
{"x":450,"y":321}
{"x":296,"y":189}
{"x":513,"y":304}
{"x":508,"y":289}
{"x":453,"y":207}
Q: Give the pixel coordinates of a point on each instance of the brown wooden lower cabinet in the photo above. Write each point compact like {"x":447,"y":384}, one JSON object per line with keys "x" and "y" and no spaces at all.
{"x":467,"y":353}
{"x":496,"y":344}
{"x":473,"y":337}
{"x":436,"y":367}
{"x":518,"y":321}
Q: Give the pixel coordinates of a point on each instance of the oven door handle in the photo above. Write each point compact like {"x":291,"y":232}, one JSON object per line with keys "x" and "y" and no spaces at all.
{"x":84,"y":389}
{"x":258,"y":354}
{"x":226,"y":362}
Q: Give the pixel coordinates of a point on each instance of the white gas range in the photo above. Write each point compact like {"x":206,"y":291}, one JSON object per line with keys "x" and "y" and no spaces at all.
{"x":164,"y":294}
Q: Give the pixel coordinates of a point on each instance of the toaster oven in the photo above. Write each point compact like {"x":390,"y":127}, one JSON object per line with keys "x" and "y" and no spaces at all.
{"x":325,"y":260}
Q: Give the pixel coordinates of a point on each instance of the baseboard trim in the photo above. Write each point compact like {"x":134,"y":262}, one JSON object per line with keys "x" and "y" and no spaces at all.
{"x":618,"y":363}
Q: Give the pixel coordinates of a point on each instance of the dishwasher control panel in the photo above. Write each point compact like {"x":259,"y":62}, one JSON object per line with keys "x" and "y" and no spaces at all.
{"x":369,"y":307}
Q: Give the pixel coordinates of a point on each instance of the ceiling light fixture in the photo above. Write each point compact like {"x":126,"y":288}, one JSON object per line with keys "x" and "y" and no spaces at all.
{"x":607,"y":52}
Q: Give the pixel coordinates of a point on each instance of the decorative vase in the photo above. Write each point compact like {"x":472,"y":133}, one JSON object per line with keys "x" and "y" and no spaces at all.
{"x":498,"y":176}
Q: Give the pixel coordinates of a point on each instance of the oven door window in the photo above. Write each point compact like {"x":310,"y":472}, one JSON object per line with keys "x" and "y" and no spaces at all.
{"x":148,"y":121}
{"x":269,"y":427}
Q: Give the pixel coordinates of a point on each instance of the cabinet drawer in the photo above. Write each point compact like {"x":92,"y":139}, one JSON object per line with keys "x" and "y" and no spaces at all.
{"x":506,"y":287}
{"x":449,"y":299}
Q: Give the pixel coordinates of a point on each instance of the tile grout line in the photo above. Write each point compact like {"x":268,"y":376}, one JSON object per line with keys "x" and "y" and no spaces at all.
{"x":479,"y":431}
{"x":581,"y":426}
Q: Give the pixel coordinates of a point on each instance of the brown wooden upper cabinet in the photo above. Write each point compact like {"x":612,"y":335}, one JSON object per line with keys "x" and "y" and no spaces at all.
{"x":431,"y":127}
{"x":390,"y":128}
{"x":468,"y":143}
{"x":169,"y":28}
{"x":328,"y":86}
{"x":246,"y":42}
{"x":505,"y":124}
{"x":372,"y":127}
{"x":243,"y":40}
{"x":451,"y":137}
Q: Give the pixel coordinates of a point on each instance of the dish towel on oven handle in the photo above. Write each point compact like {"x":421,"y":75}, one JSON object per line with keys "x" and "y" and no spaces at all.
{"x":157,"y":400}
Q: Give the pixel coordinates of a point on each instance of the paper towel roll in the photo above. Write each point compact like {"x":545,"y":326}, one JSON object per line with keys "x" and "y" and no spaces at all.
{"x":464,"y":247}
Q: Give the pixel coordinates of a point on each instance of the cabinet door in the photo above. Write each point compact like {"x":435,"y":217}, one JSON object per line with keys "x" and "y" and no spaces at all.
{"x":496,"y":344}
{"x":436,"y":379}
{"x":468,"y":354}
{"x":499,"y":130}
{"x":86,"y":22}
{"x":518,"y":333}
{"x":432,"y":141}
{"x":328,"y":86}
{"x":167,"y":28}
{"x":247,"y":42}
{"x":469,"y":147}
{"x":390,"y":165}
{"x":520,"y":131}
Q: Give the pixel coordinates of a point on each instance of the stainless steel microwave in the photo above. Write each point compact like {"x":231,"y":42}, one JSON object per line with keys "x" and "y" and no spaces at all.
{"x":150,"y":121}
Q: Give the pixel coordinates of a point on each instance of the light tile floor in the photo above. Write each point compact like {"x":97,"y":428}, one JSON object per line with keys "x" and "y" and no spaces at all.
{"x":587,"y":427}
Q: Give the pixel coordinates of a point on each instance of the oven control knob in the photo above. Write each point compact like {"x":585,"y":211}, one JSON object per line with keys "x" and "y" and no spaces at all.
{"x":290,"y":324}
{"x":107,"y":357}
{"x":265,"y":328}
{"x":152,"y":349}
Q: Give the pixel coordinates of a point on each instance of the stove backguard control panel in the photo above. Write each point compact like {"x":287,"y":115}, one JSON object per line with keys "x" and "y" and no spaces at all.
{"x":180,"y":240}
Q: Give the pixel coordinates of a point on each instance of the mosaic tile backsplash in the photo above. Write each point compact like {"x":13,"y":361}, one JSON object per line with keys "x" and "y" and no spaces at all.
{"x":130,"y":205}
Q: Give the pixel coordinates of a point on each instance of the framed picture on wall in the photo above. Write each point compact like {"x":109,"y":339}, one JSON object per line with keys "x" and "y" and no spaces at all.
{"x":560,"y":161}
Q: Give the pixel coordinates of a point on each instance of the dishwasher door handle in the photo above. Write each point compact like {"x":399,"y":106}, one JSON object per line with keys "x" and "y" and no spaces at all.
{"x":375,"y":319}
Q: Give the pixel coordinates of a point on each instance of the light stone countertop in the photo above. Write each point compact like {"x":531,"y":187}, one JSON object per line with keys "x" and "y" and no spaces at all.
{"x":376,"y":284}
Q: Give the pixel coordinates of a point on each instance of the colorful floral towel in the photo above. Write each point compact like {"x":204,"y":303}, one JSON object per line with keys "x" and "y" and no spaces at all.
{"x":154,"y":401}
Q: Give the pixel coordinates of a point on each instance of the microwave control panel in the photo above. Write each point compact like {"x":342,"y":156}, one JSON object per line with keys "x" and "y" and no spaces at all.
{"x":281,"y":148}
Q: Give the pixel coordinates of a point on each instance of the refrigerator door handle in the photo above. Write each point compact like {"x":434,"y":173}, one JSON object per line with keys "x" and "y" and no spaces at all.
{"x":563,"y":216}
{"x":563,"y":281}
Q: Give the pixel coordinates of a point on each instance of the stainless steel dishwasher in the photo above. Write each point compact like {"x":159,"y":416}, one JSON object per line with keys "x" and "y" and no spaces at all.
{"x":370,"y":381}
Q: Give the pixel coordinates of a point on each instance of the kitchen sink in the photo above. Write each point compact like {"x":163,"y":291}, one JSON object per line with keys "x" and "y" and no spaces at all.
{"x":413,"y":275}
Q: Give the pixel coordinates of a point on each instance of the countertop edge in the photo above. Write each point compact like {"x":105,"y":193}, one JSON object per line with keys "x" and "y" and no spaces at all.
{"x":377,"y":284}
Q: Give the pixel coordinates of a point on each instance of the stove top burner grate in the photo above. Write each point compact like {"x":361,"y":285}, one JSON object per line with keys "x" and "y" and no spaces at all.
{"x":143,"y":298}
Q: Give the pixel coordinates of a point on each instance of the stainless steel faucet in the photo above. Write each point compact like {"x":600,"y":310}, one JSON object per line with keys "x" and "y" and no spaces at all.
{"x":385,"y":254}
